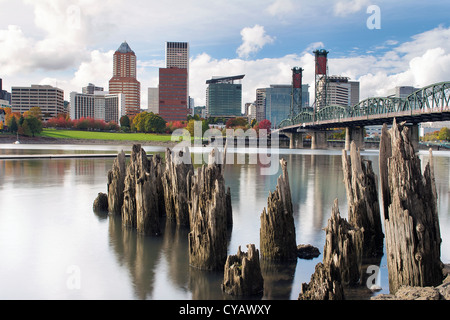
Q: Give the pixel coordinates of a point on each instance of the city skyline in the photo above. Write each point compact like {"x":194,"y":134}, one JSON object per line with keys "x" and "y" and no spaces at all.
{"x":71,"y":43}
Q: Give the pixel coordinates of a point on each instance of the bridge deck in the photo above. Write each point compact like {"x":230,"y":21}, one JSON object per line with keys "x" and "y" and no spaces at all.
{"x":415,"y":116}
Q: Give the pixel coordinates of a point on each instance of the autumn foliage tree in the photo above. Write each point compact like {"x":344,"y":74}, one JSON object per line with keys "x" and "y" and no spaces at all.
{"x":444,"y":134}
{"x":263,"y":124}
{"x":236,"y":122}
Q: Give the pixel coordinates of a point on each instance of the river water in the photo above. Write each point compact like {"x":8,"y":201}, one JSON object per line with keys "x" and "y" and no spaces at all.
{"x":52,"y":245}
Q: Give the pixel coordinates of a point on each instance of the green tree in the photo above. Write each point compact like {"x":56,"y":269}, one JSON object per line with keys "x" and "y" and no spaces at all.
{"x":154,"y":123}
{"x":125,"y":121}
{"x":139,"y":121}
{"x":34,"y":125}
{"x":13,"y":127}
{"x":25,"y":129}
{"x":444,"y":134}
{"x":191,"y":127}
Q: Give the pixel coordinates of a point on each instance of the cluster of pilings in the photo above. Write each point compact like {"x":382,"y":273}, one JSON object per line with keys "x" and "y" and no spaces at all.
{"x":146,"y":191}
{"x":409,"y":211}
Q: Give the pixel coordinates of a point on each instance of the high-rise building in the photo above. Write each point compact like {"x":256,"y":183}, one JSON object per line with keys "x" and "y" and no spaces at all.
{"x":177,"y":55}
{"x":224,"y":97}
{"x":91,"y":88}
{"x":4,"y":95}
{"x":49,"y":99}
{"x":173,"y":103}
{"x":260,"y":104}
{"x":100,"y":105}
{"x":124,"y":79}
{"x":401,"y":92}
{"x":153,"y":100}
{"x":250,"y":111}
{"x":277,"y":102}
{"x":341,"y":91}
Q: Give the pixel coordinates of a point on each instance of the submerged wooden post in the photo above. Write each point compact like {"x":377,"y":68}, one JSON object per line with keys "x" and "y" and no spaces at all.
{"x":116,"y":184}
{"x":343,"y":247}
{"x":413,"y":238}
{"x":208,"y":209}
{"x":362,"y":200}
{"x":242,"y":274}
{"x":176,"y":182}
{"x":277,"y":233}
{"x":141,"y":206}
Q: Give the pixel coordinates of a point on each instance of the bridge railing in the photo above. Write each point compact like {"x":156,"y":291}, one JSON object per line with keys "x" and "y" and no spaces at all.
{"x":433,"y":98}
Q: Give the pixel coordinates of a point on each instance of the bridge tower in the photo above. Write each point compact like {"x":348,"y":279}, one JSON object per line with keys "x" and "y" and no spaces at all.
{"x":321,"y":89}
{"x":296,"y":94}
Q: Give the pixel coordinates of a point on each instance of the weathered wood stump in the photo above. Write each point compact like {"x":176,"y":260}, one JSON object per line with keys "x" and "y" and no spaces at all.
{"x":141,"y":207}
{"x":325,"y":284}
{"x":116,"y":184}
{"x":413,"y":238}
{"x":176,"y":182}
{"x":242,"y":274}
{"x":362,"y":200}
{"x":101,"y":203}
{"x":343,"y":247}
{"x":208,"y":217}
{"x":307,"y":251}
{"x":277,"y":232}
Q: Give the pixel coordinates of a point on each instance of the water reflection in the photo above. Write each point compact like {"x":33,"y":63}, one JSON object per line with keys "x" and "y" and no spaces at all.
{"x":47,"y":223}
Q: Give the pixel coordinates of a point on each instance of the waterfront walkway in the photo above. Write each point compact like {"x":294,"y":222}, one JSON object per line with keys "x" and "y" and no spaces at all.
{"x":57,"y":156}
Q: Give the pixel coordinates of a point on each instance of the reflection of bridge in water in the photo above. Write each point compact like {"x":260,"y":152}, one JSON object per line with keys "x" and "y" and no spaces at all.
{"x":428,"y":104}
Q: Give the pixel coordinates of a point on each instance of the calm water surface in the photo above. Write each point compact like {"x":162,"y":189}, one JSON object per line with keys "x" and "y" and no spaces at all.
{"x":52,"y":246}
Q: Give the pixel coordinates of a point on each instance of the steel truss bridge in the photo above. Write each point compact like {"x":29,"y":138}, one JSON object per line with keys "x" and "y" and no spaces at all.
{"x":428,"y":104}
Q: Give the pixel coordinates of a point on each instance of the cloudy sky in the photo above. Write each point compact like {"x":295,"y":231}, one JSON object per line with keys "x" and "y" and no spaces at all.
{"x":382,"y":44}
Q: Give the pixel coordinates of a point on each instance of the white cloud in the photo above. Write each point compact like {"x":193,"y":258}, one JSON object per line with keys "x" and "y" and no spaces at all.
{"x":420,"y":62}
{"x":69,"y":41}
{"x":281,"y":7}
{"x":253,"y":40}
{"x":391,"y":42}
{"x":313,"y":46}
{"x":345,"y":7}
{"x":259,"y":73}
{"x":97,"y":70}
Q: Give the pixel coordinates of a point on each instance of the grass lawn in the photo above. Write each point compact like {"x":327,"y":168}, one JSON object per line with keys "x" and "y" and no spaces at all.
{"x":74,"y":134}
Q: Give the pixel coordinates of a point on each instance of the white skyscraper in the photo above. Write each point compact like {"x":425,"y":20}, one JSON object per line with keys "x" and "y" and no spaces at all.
{"x":153,"y":100}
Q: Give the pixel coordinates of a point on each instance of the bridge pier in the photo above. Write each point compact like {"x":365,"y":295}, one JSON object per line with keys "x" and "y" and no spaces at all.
{"x":295,"y":140}
{"x":319,"y":140}
{"x":413,"y":131}
{"x":354,"y":134}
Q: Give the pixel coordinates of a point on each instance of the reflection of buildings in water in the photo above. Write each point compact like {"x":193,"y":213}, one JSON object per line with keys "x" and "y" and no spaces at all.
{"x":138,"y":253}
{"x":89,"y":170}
{"x":53,"y":172}
{"x":278,"y":278}
{"x":36,"y":171}
{"x":148,"y":258}
{"x":319,"y":181}
{"x":175,"y":249}
{"x":205,"y":285}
